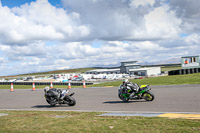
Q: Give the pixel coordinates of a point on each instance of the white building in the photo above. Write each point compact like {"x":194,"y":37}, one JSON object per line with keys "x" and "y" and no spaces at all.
{"x":147,"y":71}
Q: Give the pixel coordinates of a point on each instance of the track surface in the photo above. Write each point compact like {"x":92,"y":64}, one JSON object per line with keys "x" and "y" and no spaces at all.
{"x":172,"y":98}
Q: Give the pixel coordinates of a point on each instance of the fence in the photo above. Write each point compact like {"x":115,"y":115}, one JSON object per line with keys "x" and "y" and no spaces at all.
{"x":184,"y":71}
{"x":44,"y":83}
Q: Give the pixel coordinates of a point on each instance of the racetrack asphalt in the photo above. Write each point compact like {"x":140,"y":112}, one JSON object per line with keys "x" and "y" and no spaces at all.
{"x":168,"y":98}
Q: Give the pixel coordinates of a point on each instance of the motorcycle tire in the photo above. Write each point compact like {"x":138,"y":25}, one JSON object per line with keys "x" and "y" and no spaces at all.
{"x":51,"y":103}
{"x":71,"y":101}
{"x":123,"y":98}
{"x":148,"y":96}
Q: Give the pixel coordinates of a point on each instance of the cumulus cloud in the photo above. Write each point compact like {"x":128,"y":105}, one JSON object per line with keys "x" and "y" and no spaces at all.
{"x":189,"y":12}
{"x":40,"y":37}
{"x":79,"y":54}
{"x":142,"y":2}
{"x":19,"y":53}
{"x":2,"y":60}
{"x":88,"y":20}
{"x":127,"y":20}
{"x":193,"y":39}
{"x":163,"y":23}
{"x":39,"y":21}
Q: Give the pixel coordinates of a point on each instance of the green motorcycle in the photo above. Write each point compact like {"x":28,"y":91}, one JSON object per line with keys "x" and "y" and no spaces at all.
{"x":126,"y":94}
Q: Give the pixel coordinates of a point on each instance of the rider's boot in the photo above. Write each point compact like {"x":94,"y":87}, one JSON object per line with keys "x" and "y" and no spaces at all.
{"x":133,"y":95}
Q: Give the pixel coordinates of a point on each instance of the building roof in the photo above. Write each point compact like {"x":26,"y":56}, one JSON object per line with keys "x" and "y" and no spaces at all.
{"x":189,"y":56}
{"x":128,"y":61}
{"x":143,"y":69}
{"x":132,"y":65}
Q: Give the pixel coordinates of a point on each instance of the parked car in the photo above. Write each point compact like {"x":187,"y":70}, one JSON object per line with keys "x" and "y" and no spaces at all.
{"x":78,"y":79}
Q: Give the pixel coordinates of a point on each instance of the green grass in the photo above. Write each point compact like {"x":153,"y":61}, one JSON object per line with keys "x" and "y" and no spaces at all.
{"x":169,"y":68}
{"x":172,"y":80}
{"x":90,"y":122}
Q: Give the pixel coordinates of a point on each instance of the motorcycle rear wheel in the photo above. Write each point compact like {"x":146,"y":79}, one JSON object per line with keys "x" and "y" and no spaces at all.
{"x":51,"y":101}
{"x":148,"y":96}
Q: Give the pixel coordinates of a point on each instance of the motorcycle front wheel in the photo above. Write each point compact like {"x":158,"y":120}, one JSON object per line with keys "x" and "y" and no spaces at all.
{"x":123,"y":98}
{"x":71,"y":101}
{"x":51,"y":103}
{"x":148,"y":96}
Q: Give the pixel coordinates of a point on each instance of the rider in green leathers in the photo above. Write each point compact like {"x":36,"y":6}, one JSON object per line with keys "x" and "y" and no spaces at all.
{"x":129,"y":87}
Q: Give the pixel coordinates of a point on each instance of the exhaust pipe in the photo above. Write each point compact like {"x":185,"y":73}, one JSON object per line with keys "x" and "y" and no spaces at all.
{"x":72,"y":94}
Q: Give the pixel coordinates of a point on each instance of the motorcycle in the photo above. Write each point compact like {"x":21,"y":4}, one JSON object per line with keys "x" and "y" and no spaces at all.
{"x":126,"y":94}
{"x":57,"y":96}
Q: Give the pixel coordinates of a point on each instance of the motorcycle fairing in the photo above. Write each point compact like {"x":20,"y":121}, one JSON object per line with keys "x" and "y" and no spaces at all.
{"x":143,"y":86}
{"x":53,"y":93}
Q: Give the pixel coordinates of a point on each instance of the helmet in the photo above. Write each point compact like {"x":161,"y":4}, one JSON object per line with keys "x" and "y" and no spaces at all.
{"x":46,"y":88}
{"x":126,"y":81}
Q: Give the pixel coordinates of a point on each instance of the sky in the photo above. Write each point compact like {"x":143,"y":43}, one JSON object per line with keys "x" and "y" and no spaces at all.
{"x":44,"y":35}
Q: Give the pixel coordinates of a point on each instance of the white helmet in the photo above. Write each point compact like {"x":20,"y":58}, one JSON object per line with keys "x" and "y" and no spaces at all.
{"x":126,"y":80}
{"x":46,"y":88}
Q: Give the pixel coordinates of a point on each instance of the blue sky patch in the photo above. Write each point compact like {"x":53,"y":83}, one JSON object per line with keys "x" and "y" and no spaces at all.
{"x":14,"y":3}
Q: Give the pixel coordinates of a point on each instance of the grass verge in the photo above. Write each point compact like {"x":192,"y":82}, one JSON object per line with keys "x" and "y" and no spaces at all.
{"x":169,"y":68}
{"x":49,"y":121}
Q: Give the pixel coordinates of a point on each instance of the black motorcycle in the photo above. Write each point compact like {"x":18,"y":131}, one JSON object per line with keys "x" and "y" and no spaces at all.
{"x":143,"y":92}
{"x":57,"y":96}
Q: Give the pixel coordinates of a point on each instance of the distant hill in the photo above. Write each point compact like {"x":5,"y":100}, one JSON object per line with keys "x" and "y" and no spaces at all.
{"x":167,"y":61}
{"x":77,"y":70}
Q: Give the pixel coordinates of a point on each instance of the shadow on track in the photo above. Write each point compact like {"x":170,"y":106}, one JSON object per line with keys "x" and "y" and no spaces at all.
{"x":115,"y":102}
{"x":48,"y":106}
